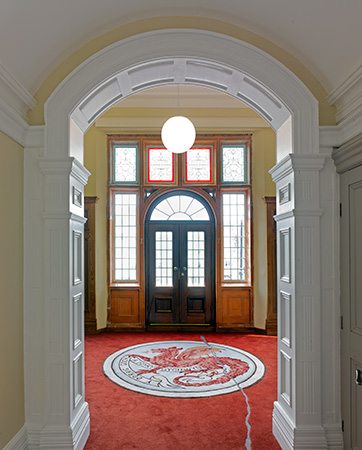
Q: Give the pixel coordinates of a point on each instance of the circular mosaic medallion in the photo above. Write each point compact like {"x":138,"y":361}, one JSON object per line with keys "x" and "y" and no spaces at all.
{"x":183,"y":369}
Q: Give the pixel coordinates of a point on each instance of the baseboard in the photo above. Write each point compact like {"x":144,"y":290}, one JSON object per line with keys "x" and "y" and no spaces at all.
{"x":334,"y":437}
{"x":304,"y":438}
{"x":90,"y":326}
{"x":19,"y":441}
{"x":72,"y":437}
{"x":283,"y":428}
{"x":81,"y":427}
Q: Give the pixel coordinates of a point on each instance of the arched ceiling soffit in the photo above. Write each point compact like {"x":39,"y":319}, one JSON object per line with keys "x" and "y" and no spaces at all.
{"x":36,"y":116}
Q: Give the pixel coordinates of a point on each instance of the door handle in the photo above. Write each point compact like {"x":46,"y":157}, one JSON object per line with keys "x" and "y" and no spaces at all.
{"x":184,"y":269}
{"x":359,"y":377}
{"x":175,"y":268}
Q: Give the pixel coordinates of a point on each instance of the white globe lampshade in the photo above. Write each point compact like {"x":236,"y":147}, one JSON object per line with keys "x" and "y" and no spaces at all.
{"x":178,"y":134}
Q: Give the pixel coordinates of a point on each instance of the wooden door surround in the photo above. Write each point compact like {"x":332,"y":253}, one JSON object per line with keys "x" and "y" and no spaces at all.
{"x":271,"y":255}
{"x":90,"y":320}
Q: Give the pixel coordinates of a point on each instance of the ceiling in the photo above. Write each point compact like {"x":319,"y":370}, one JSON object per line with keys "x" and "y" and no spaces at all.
{"x":325,"y":35}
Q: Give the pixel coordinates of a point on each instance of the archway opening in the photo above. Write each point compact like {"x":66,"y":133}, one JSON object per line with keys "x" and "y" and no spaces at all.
{"x":247,"y":74}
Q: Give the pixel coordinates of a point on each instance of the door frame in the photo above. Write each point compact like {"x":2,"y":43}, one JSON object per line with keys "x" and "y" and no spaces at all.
{"x":158,"y":198}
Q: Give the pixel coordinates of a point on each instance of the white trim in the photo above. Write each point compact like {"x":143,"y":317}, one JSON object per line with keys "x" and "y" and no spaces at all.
{"x":199,"y":122}
{"x":345,"y":86}
{"x":35,"y":137}
{"x":12,"y":123}
{"x":348,"y":155}
{"x":15,"y":93}
{"x":19,"y":441}
{"x":15,"y":101}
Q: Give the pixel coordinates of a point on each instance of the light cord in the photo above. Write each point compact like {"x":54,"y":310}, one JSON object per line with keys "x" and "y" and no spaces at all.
{"x":248,"y":426}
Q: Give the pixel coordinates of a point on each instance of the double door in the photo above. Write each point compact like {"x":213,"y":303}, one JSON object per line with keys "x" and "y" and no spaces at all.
{"x":180,"y":274}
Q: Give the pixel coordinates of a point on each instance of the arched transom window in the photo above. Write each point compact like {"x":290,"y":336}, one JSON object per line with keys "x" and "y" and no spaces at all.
{"x":180,"y":207}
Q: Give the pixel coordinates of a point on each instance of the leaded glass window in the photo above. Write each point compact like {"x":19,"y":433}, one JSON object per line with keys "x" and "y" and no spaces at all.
{"x":195,"y":258}
{"x":180,"y":207}
{"x":198,"y":165}
{"x":125,"y":164}
{"x":163,"y":243}
{"x":160,"y":166}
{"x":234,"y":247}
{"x":233,"y":164}
{"x":125,"y":237}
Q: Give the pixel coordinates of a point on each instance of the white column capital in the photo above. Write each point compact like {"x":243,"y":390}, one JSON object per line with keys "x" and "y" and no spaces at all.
{"x":292,"y":163}
{"x":68,"y":166}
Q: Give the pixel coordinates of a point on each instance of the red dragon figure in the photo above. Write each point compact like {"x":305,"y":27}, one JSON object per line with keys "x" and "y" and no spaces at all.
{"x":196,"y":361}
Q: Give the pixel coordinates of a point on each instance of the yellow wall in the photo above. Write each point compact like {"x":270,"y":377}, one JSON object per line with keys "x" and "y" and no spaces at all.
{"x":11,"y":294}
{"x":95,"y":160}
{"x":264,"y":156}
{"x":65,"y":67}
{"x":263,"y":185}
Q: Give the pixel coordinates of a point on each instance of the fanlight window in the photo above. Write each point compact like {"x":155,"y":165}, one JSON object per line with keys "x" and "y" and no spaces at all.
{"x":180,"y":207}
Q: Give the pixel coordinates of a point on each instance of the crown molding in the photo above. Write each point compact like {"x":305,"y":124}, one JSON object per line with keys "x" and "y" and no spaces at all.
{"x":345,"y":86}
{"x":338,"y":135}
{"x":15,"y":101}
{"x":348,"y":155}
{"x":347,"y":97}
{"x":12,"y":124}
{"x":14,"y":93}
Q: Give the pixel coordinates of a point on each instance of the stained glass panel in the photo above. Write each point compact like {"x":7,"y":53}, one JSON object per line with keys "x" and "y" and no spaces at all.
{"x":195,"y":258}
{"x":125,"y":237}
{"x":180,"y":207}
{"x":233,"y":164}
{"x":160,"y":165}
{"x":198,"y":165}
{"x":125,"y":164}
{"x":163,"y":260}
{"x":234,"y":250}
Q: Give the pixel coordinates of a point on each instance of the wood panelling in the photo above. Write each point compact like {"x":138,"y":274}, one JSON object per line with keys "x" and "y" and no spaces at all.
{"x":271,"y":255}
{"x":90,"y":321}
{"x":232,"y":301}
{"x":125,"y":309}
{"x":235,"y":307}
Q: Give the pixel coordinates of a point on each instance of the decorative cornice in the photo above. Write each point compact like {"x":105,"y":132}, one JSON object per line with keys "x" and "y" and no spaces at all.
{"x":14,"y":93}
{"x":12,"y":123}
{"x":345,"y":86}
{"x":335,"y":136}
{"x":15,"y":101}
{"x":348,"y":155}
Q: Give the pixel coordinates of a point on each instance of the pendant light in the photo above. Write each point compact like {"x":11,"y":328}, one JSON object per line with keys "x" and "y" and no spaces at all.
{"x":178,"y":132}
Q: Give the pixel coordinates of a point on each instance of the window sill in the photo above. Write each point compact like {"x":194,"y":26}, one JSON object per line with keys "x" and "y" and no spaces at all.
{"x":236,"y":285}
{"x":124,"y":285}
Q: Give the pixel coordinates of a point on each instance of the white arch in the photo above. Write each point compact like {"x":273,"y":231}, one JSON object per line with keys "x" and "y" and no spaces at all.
{"x":190,"y":57}
{"x":60,"y":413}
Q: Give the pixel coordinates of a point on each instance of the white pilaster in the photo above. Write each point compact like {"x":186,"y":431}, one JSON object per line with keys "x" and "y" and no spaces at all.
{"x":57,"y":415}
{"x":303,"y":414}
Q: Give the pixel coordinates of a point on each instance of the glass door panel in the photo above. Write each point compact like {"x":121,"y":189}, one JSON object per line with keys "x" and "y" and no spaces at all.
{"x":196,"y":258}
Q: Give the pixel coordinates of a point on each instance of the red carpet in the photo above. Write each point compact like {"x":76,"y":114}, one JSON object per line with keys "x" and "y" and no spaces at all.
{"x":122,"y":419}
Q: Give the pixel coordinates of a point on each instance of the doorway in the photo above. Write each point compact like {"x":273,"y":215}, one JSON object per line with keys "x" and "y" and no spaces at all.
{"x":180,"y":262}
